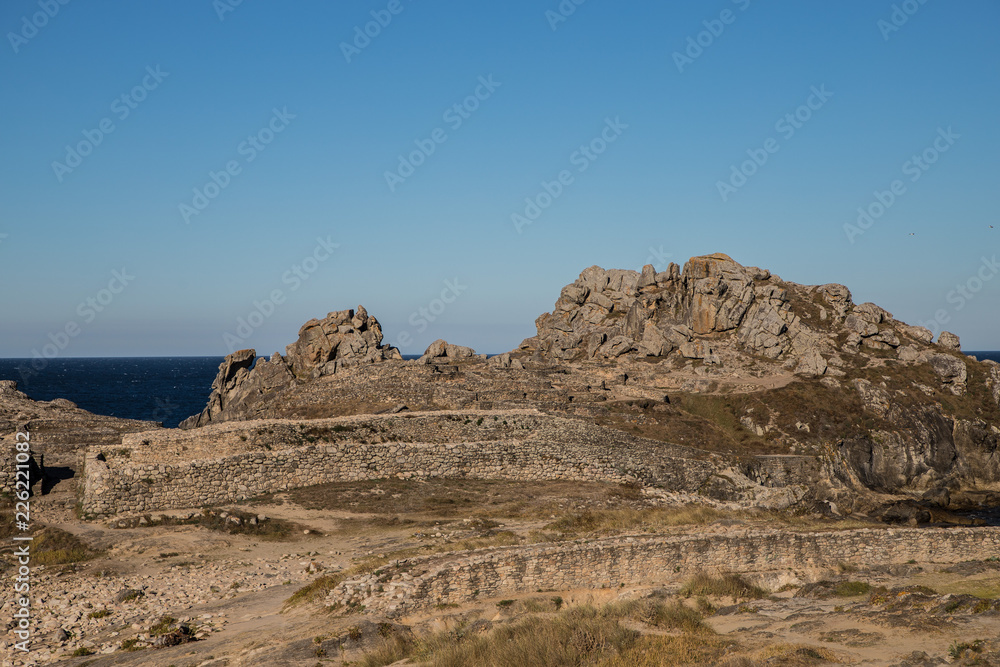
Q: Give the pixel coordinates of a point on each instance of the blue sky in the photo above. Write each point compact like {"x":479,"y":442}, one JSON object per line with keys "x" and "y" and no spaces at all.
{"x":308,"y":129}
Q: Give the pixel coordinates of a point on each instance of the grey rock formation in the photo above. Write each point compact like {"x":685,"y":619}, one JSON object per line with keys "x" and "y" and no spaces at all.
{"x":715,"y":309}
{"x":869,"y":399}
{"x":952,"y":371}
{"x":949,"y":341}
{"x":8,"y":390}
{"x":993,"y":379}
{"x":342,"y":339}
{"x":443,"y":350}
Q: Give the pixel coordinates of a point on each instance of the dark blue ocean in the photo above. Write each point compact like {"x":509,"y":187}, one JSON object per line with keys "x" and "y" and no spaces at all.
{"x":160,"y":389}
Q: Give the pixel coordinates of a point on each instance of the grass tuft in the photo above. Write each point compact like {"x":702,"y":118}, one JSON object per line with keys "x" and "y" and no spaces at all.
{"x":731,"y":585}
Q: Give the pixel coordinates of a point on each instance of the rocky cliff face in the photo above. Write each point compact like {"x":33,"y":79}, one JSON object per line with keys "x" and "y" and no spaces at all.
{"x":722,"y":313}
{"x":245,"y":384}
{"x":925,"y":416}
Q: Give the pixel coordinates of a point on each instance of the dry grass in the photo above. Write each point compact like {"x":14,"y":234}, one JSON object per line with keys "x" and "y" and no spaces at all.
{"x":849,"y":589}
{"x":659,"y":614}
{"x":594,"y":636}
{"x":670,"y":651}
{"x":986,"y":588}
{"x":318,"y":588}
{"x":726,"y":585}
{"x":51,"y":545}
{"x":629,"y":520}
{"x":573,"y":637}
{"x":449,"y":498}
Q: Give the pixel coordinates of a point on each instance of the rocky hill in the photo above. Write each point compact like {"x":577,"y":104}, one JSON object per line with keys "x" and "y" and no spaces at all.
{"x":717,"y":356}
{"x":729,"y":316}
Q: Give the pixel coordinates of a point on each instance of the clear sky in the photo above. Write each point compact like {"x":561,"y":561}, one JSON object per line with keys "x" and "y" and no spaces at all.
{"x":217,"y":155}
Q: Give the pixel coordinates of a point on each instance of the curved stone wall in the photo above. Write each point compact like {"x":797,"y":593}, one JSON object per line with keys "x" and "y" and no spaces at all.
{"x":459,"y":577}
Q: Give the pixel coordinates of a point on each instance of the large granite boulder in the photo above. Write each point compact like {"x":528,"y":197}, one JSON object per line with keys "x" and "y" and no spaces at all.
{"x":441,"y":350}
{"x":342,"y":338}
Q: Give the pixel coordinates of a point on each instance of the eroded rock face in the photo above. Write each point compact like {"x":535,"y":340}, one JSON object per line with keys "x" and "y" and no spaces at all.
{"x":8,"y":389}
{"x":951,"y":370}
{"x":993,"y":379}
{"x":949,"y":341}
{"x":244,"y":383}
{"x":611,"y":314}
{"x":719,"y":313}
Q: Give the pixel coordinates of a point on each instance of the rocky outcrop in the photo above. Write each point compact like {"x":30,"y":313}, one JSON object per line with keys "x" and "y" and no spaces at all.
{"x":993,"y":379}
{"x":610,"y":314}
{"x":721,"y":313}
{"x":951,"y":370}
{"x":441,"y":350}
{"x":782,"y":369}
{"x":8,"y":390}
{"x":343,"y":338}
{"x":244,"y":384}
{"x":949,"y":341}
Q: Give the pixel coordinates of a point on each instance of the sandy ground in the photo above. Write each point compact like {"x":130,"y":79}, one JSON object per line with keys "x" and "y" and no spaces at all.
{"x":233,"y":589}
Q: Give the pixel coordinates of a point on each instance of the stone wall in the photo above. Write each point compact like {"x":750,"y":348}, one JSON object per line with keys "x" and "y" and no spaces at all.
{"x":778,"y":470}
{"x":491,"y":573}
{"x":233,"y":461}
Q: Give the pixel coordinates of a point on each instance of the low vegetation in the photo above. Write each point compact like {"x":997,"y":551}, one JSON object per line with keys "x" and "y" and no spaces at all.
{"x":232,"y":522}
{"x":640,"y":633}
{"x":51,"y":545}
{"x":629,"y":520}
{"x":727,"y":585}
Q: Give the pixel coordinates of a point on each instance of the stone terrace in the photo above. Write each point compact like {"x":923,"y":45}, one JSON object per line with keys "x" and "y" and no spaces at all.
{"x":408,"y":585}
{"x":233,"y":461}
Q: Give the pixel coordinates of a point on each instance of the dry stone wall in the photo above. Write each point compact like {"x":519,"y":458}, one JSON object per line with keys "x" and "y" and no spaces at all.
{"x":491,"y":573}
{"x":232,"y":461}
